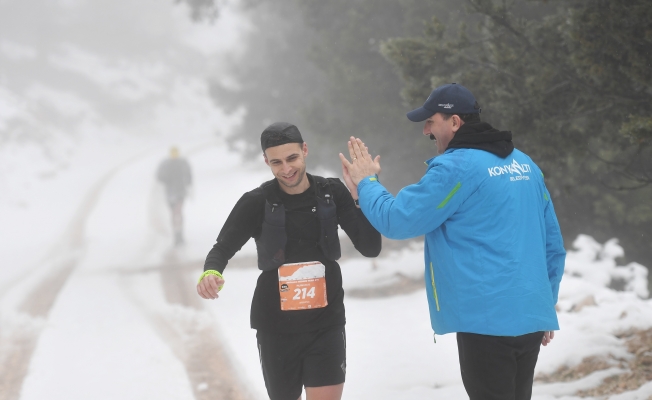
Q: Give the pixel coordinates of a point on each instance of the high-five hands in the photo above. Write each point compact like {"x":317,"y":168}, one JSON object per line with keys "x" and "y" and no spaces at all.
{"x":360,"y":166}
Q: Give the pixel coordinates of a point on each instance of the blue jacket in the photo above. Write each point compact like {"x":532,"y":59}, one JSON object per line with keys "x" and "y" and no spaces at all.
{"x":494,"y":254}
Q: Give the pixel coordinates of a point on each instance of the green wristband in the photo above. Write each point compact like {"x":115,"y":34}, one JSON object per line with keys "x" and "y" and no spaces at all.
{"x":210,"y":272}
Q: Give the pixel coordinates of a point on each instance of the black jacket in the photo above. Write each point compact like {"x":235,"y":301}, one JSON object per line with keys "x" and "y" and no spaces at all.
{"x":302,"y":228}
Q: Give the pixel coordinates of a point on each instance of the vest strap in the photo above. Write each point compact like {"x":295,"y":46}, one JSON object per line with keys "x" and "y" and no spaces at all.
{"x":273,"y":238}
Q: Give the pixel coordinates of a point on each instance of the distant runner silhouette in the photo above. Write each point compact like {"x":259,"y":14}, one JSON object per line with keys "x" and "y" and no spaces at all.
{"x":175,"y":174}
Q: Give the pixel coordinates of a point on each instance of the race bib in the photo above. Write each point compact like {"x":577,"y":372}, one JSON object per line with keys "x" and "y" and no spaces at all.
{"x":302,"y":286}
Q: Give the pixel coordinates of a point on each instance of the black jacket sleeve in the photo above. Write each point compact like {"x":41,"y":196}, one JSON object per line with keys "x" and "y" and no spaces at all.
{"x":243,"y":223}
{"x":364,"y":236}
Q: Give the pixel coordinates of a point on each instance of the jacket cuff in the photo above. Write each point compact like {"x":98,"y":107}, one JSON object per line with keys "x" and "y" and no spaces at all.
{"x":366,"y":181}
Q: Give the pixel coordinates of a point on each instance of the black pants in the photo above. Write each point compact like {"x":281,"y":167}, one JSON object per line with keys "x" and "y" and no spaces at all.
{"x":498,"y":367}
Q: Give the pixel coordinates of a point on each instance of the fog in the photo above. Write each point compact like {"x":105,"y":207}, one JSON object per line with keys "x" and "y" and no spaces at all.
{"x":71,"y":68}
{"x":85,"y":86}
{"x":92,"y":96}
{"x":97,"y":302}
{"x":575,"y":95}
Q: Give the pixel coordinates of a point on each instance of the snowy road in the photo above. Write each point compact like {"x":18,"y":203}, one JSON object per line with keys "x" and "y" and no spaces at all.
{"x":115,"y":315}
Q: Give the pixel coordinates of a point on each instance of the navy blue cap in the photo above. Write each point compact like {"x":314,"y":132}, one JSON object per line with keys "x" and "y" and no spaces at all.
{"x":448,"y":99}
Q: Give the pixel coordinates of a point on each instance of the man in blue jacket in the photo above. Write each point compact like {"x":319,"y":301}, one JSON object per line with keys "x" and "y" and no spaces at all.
{"x":494,"y":254}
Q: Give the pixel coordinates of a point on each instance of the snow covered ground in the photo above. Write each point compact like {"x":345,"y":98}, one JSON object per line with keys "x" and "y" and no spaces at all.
{"x":391,"y":354}
{"x":101,"y":340}
{"x":95,"y":303}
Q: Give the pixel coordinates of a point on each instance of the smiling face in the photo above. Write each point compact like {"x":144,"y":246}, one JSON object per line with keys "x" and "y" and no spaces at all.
{"x":442,"y":129}
{"x":288,"y":164}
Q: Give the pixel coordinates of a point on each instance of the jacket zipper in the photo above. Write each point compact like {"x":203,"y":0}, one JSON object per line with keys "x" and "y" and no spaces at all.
{"x":434,"y":293}
{"x":434,"y":287}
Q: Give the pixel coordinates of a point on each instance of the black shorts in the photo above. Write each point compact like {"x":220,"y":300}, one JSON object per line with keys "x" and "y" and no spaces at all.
{"x":293,"y":360}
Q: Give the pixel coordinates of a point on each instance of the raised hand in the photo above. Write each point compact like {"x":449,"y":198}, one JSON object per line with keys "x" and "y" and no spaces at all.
{"x":361,"y":164}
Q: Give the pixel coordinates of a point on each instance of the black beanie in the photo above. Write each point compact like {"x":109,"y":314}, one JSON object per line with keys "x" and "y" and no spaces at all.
{"x":279,"y":133}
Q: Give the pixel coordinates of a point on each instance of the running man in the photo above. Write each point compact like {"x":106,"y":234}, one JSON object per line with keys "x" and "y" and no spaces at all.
{"x":297,"y":308}
{"x":174,"y":173}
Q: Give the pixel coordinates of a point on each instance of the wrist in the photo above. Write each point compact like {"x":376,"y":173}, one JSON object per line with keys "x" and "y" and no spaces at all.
{"x":370,"y":177}
{"x":368,"y":180}
{"x":210,"y":272}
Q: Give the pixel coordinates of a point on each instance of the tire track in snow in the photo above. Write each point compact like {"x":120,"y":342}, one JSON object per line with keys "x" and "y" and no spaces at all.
{"x":189,"y":329}
{"x":195,"y":342}
{"x":203,"y":355}
{"x":18,"y":345}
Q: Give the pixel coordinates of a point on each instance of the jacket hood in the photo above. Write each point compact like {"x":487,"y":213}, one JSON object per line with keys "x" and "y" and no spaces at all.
{"x":482,"y":136}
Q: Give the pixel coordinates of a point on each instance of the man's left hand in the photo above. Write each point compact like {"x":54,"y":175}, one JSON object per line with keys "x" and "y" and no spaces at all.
{"x":547,"y":337}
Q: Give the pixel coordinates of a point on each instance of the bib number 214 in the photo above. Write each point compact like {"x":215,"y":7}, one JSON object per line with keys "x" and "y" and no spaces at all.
{"x":302,"y":294}
{"x":302,"y":286}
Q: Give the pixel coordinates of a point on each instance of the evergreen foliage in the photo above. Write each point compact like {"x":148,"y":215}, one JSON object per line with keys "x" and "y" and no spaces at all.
{"x":574,"y":86}
{"x":317,"y":64}
{"x":572,"y":79}
{"x":202,"y":10}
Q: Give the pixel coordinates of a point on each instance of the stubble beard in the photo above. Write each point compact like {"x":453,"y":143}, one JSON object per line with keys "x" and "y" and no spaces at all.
{"x":301,"y":173}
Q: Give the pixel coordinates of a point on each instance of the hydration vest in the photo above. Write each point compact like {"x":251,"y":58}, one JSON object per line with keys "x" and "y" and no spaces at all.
{"x":272,"y":240}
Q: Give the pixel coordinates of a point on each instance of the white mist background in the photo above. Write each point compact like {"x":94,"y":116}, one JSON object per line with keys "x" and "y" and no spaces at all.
{"x":92,"y":95}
